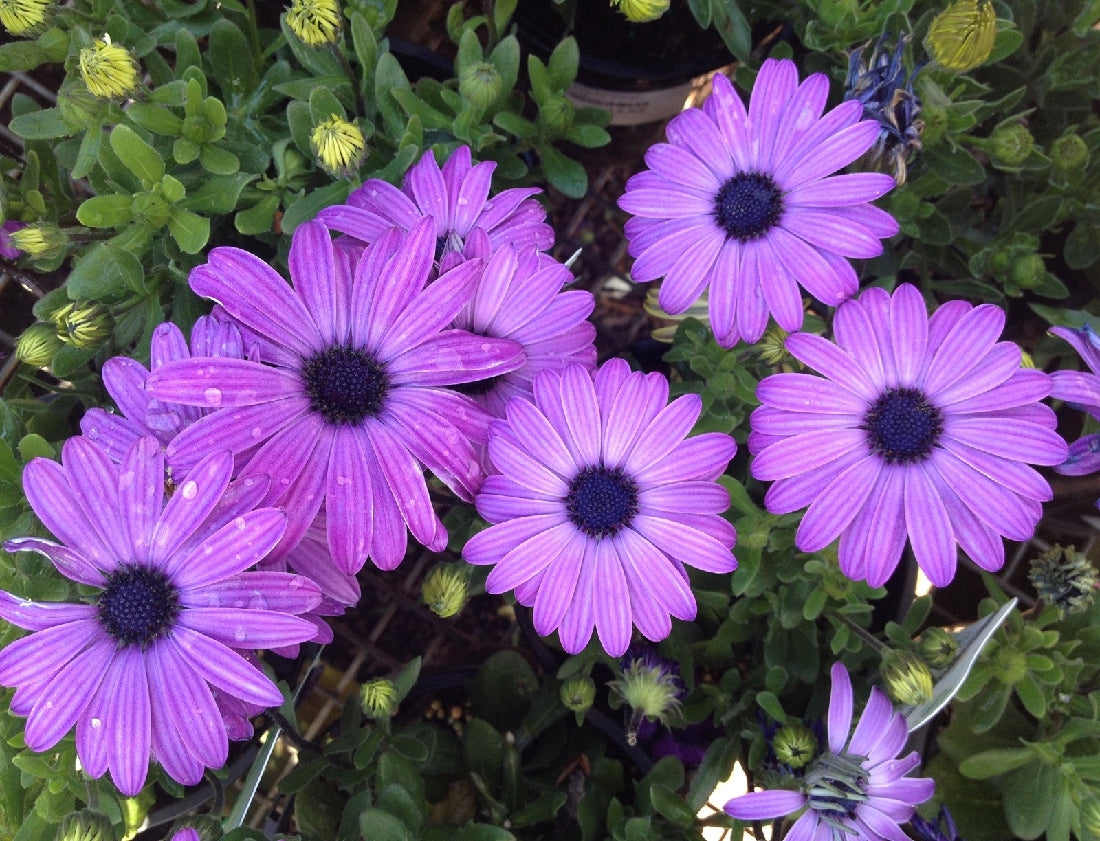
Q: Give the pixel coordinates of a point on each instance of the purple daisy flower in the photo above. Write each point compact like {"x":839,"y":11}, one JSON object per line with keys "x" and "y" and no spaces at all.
{"x":599,"y":503}
{"x":1082,"y":390}
{"x":746,"y":203}
{"x":456,"y":198}
{"x":347,"y":405}
{"x":125,"y":380}
{"x":921,"y":426}
{"x":134,"y":669}
{"x":858,"y":788}
{"x":519,"y":297}
{"x":7,"y":250}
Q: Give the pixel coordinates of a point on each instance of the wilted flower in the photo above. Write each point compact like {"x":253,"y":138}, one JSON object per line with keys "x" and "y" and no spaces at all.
{"x":642,"y":11}
{"x":856,"y":789}
{"x":937,"y":647}
{"x":42,"y":240}
{"x":906,"y":677}
{"x":83,"y":324}
{"x":941,"y":829}
{"x":37,"y":344}
{"x":378,"y":698}
{"x":108,"y":70}
{"x":885,"y":88}
{"x":134,"y":669}
{"x":922,"y":428}
{"x":339,"y":146}
{"x":316,"y":22}
{"x":962,"y":36}
{"x":445,"y":589}
{"x":25,"y":17}
{"x":744,"y":203}
{"x":1064,"y":579}
{"x":599,"y":503}
{"x":650,"y":685}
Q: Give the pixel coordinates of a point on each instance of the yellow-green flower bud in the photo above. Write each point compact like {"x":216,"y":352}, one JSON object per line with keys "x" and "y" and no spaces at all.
{"x":316,"y":22}
{"x":480,"y":84}
{"x":906,"y":677}
{"x":108,"y":70}
{"x":794,"y":745}
{"x":445,"y":589}
{"x":578,"y":693}
{"x":1010,"y":145}
{"x":86,"y":825}
{"x":962,"y":36}
{"x":38,"y":344}
{"x":642,"y":11}
{"x":1028,"y":271}
{"x":339,"y":146}
{"x":206,"y":827}
{"x":1069,"y":152}
{"x":42,"y":241}
{"x":772,"y":347}
{"x":557,"y":113}
{"x":1027,"y":360}
{"x":938,"y":647}
{"x":83,"y":324}
{"x":378,"y":698}
{"x":25,"y":17}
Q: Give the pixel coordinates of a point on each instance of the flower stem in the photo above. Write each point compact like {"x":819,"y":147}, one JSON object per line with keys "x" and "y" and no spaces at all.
{"x":861,"y":632}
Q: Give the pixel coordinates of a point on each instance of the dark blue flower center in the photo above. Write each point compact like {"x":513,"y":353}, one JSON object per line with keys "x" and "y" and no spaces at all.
{"x":902,"y":426}
{"x":444,"y":245}
{"x":835,"y":785}
{"x":138,"y":605}
{"x":345,"y":384}
{"x":748,"y":205}
{"x":478,"y":387}
{"x":601,"y":501}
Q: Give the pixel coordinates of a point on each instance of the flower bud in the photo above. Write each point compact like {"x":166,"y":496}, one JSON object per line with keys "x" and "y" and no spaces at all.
{"x":1027,"y":360}
{"x":772,"y":348}
{"x":378,"y":698}
{"x":962,"y":36}
{"x":86,"y":825}
{"x":578,"y":693}
{"x":78,"y":107}
{"x":339,"y":145}
{"x":7,"y":250}
{"x":1028,"y":271}
{"x":1010,"y":145}
{"x":25,"y":17}
{"x":83,"y":324}
{"x":1064,"y":579}
{"x":42,"y":241}
{"x":108,"y":70}
{"x":906,"y":677}
{"x":196,"y":828}
{"x":316,"y":22}
{"x":38,"y":344}
{"x":480,"y":84}
{"x":445,"y":589}
{"x":1069,"y":152}
{"x":642,"y":11}
{"x":794,"y":745}
{"x":557,"y":113}
{"x":937,"y":647}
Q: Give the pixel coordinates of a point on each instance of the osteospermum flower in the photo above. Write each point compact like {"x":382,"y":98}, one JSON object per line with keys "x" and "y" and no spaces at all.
{"x":140,"y":414}
{"x":599,"y":503}
{"x":108,"y":70}
{"x":456,"y":199}
{"x":316,"y":22}
{"x":921,"y":428}
{"x":347,"y":404}
{"x":7,"y":250}
{"x":858,"y":789}
{"x":745,"y":203}
{"x":1083,"y":390}
{"x":134,"y":668}
{"x":519,"y":297}
{"x":339,"y":146}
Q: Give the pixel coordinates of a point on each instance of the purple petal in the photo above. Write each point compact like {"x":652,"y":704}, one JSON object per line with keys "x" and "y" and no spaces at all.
{"x":653,"y":578}
{"x":223,"y":668}
{"x":405,"y":481}
{"x":772,"y":92}
{"x":124,"y":379}
{"x":840,"y":707}
{"x":525,"y":468}
{"x":93,"y":480}
{"x":996,"y":506}
{"x":233,"y":548}
{"x":278,"y":591}
{"x":829,"y":231}
{"x":558,"y":586}
{"x":130,"y":725}
{"x":193,"y":502}
{"x":686,"y":544}
{"x":807,"y":393}
{"x":704,"y":457}
{"x":909,"y":329}
{"x":580,"y":620}
{"x":841,"y":190}
{"x":70,"y":563}
{"x":313,"y":269}
{"x":141,"y":493}
{"x":455,"y":356}
{"x":185,"y":719}
{"x":530,"y":557}
{"x":216,"y":382}
{"x":833,"y":153}
{"x":492,"y":544}
{"x":834,"y":363}
{"x":540,"y":440}
{"x":929,"y":528}
{"x":349,"y":499}
{"x":66,"y":695}
{"x":837,"y":505}
{"x":787,"y":495}
{"x":1024,"y":386}
{"x":33,"y":658}
{"x":1008,"y":438}
{"x":662,"y":435}
{"x":613,"y":622}
{"x":765,"y":805}
{"x":781,"y":290}
{"x":800,"y":453}
{"x":967,"y":343}
{"x":37,"y":616}
{"x":248,"y":628}
{"x":431,"y":310}
{"x":871,"y":546}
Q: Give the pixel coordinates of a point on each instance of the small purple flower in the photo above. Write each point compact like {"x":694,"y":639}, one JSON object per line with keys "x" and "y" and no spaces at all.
{"x":1083,"y":390}
{"x":599,"y":503}
{"x":7,"y":250}
{"x":858,"y":789}
{"x":456,"y":198}
{"x":746,"y":203}
{"x":921,"y":428}
{"x":348,"y":403}
{"x":125,"y":380}
{"x":134,"y":670}
{"x":519,"y":297}
{"x":941,"y":829}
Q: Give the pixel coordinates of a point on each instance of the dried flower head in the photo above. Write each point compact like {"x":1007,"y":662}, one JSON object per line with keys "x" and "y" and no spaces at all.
{"x":316,"y":22}
{"x":1064,"y":579}
{"x":339,"y":146}
{"x":108,"y":70}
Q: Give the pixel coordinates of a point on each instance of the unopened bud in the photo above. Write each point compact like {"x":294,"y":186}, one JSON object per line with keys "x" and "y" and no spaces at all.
{"x":445,"y":589}
{"x":1069,"y":152}
{"x":578,"y":694}
{"x":196,"y":828}
{"x":86,"y":825}
{"x":962,"y":36}
{"x":1028,"y":271}
{"x":378,"y":698}
{"x":316,"y":22}
{"x":25,"y":17}
{"x":37,"y":345}
{"x":108,"y":70}
{"x":557,"y":113}
{"x":42,"y":241}
{"x":906,"y":677}
{"x":642,"y":11}
{"x":772,"y":347}
{"x":83,"y":324}
{"x":78,"y":107}
{"x":480,"y":84}
{"x":794,"y":745}
{"x":937,"y":647}
{"x":1010,"y":145}
{"x":339,"y":146}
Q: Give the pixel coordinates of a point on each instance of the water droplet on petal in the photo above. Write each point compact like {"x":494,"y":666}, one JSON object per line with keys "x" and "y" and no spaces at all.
{"x":213,"y":396}
{"x":95,"y":723}
{"x":240,"y":634}
{"x":342,"y":480}
{"x":189,"y":489}
{"x":257,"y":432}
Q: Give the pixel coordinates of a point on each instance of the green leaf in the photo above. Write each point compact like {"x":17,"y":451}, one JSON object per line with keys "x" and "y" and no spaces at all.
{"x":231,"y":59}
{"x":671,"y":806}
{"x":957,"y":166}
{"x":323,"y":105}
{"x":154,"y":118}
{"x":993,"y":763}
{"x":137,"y":155}
{"x":189,"y":230}
{"x":104,"y":271}
{"x":218,"y":161}
{"x":564,"y":61}
{"x":88,"y":153}
{"x":1029,"y":796}
{"x":306,"y":207}
{"x":588,"y":135}
{"x":397,"y":801}
{"x":40,"y":125}
{"x":105,"y":211}
{"x":382,"y":826}
{"x":563,"y":173}
{"x":515,"y":124}
{"x":258,"y":219}
{"x":219,"y":194}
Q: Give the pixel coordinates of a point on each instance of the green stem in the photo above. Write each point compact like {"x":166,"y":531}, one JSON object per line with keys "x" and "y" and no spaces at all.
{"x":861,"y":632}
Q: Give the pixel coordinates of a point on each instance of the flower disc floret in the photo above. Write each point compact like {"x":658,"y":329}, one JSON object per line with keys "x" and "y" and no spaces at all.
{"x":921,"y":429}
{"x":745,"y":204}
{"x":138,"y":604}
{"x":599,"y":503}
